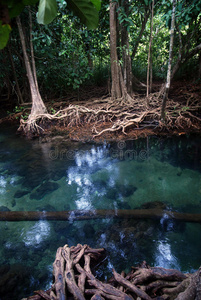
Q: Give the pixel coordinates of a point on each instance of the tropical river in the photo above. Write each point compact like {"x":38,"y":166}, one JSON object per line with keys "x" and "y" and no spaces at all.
{"x":60,"y":175}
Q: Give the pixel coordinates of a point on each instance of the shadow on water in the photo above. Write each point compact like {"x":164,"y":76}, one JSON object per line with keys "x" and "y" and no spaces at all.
{"x":148,"y":173}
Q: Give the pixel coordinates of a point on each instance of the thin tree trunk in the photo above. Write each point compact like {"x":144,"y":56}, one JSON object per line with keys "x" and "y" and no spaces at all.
{"x":144,"y":22}
{"x":167,"y":87}
{"x":19,"y":94}
{"x":6,"y":76}
{"x":32,"y":51}
{"x":127,"y":68}
{"x":184,"y":59}
{"x":38,"y":107}
{"x":149,"y":54}
{"x":200,"y":65}
{"x":151,"y":72}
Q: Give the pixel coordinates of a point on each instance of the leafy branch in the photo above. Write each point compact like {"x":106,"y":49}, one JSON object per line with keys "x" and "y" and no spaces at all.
{"x":86,"y":10}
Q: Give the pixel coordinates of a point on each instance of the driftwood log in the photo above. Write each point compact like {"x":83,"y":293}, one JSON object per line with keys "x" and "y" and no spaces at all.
{"x":73,"y":278}
{"x":154,"y":213}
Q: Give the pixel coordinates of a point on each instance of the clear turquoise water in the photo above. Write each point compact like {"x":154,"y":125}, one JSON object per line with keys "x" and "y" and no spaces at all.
{"x":61,"y":175}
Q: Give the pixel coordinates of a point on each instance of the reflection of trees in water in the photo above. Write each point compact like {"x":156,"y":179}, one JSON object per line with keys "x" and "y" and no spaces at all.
{"x":96,"y":179}
{"x":128,"y":241}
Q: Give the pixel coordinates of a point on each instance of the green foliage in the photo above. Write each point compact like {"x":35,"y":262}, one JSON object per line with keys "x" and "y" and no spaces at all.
{"x":187,"y":11}
{"x":86,"y":11}
{"x":47,"y":11}
{"x":16,"y":9}
{"x":65,"y":48}
{"x":69,"y":56}
{"x":19,"y":109}
{"x":97,"y":4}
{"x":100,"y":75}
{"x":25,"y":116}
{"x":30,"y":2}
{"x":5,"y":30}
{"x":53,"y":111}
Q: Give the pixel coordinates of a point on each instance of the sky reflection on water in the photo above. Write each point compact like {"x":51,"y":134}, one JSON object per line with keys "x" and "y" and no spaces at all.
{"x":36,"y":234}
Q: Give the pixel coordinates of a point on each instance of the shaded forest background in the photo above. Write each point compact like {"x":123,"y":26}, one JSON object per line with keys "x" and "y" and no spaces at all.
{"x":74,"y":63}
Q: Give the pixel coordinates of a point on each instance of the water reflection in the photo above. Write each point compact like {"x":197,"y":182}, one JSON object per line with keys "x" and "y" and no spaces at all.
{"x":117,"y":176}
{"x":88,"y":163}
{"x":37,"y":234}
{"x":3,"y":183}
{"x":164,"y":257}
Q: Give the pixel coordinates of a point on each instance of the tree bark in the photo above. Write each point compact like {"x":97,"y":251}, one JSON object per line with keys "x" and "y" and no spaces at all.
{"x":116,"y":89}
{"x":127,"y":68}
{"x":200,"y":65}
{"x":184,"y":58}
{"x":19,"y":94}
{"x":149,"y":54}
{"x":144,"y":22}
{"x":142,"y":282}
{"x":32,"y":52}
{"x":6,"y":79}
{"x":38,"y":107}
{"x":167,"y":87}
{"x":58,"y":270}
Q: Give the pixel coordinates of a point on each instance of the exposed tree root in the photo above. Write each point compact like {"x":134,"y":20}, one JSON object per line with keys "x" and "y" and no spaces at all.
{"x":73,"y":278}
{"x":121,"y":115}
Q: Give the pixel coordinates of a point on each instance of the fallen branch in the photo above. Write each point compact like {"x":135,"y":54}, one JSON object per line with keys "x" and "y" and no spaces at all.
{"x":76,"y":215}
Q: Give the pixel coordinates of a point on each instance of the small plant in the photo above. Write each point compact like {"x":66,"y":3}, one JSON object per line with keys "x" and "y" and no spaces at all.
{"x":18,"y":109}
{"x":53,"y":111}
{"x":185,"y":108}
{"x":25,"y":116}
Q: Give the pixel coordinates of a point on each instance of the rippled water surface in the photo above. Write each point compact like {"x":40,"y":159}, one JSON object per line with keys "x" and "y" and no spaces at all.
{"x":147,"y":173}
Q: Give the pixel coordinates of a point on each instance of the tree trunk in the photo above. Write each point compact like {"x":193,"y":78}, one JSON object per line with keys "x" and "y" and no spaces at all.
{"x":167,"y":87}
{"x":7,"y":82}
{"x":149,"y":54}
{"x":200,"y":65}
{"x":184,"y":58}
{"x":116,"y":89}
{"x":151,"y":72}
{"x":32,"y":53}
{"x":19,"y":94}
{"x":144,"y":22}
{"x":127,"y":68}
{"x":38,"y":107}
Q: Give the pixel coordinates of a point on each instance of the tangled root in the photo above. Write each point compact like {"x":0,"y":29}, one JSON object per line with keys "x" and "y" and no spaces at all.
{"x":120,"y":114}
